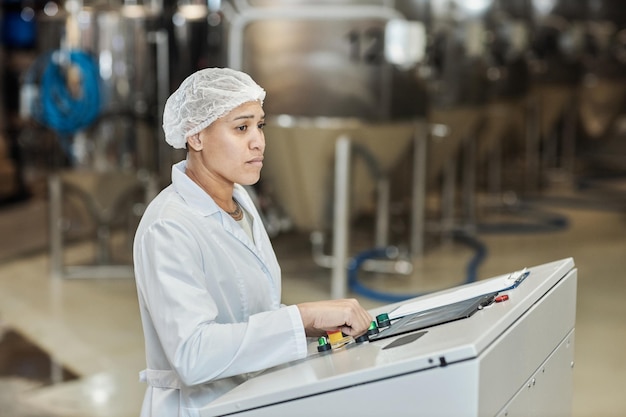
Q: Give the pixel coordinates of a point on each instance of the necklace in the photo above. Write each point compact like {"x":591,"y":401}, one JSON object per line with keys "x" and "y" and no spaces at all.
{"x":236,"y":214}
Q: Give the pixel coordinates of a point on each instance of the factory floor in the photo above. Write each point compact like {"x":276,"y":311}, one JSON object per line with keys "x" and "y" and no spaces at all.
{"x":85,"y":335}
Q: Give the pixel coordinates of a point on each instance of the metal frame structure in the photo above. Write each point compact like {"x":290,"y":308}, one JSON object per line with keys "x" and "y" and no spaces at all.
{"x":103,"y":267}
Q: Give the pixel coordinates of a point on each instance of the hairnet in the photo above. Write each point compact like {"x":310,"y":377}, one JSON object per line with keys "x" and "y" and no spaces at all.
{"x":204,"y":97}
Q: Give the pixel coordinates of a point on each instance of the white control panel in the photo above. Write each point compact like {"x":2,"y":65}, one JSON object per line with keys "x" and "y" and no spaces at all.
{"x":512,"y":356}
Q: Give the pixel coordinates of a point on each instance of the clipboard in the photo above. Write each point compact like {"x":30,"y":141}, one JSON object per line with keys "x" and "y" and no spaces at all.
{"x":463,"y":293}
{"x":435,"y":316}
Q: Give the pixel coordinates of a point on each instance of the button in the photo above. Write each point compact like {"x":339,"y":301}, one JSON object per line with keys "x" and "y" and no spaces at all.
{"x":337,"y":339}
{"x":501,"y":298}
{"x":383,"y":320}
{"x":373,"y":329}
{"x":322,"y":344}
{"x":335,"y":336}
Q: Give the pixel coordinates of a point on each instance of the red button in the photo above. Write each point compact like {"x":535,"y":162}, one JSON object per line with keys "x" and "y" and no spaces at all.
{"x":501,"y":298}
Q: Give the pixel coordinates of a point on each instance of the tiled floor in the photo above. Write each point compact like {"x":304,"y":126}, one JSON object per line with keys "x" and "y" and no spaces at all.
{"x":92,"y":328}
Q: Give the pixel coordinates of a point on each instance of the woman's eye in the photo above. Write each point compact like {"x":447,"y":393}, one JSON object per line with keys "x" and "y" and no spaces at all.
{"x":242,"y":128}
{"x":261,"y":125}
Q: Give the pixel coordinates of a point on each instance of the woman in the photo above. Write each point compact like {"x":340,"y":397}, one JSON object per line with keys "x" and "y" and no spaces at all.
{"x":207,"y":277}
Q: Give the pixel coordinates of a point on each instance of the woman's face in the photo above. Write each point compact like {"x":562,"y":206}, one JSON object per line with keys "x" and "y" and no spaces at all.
{"x":233,"y":145}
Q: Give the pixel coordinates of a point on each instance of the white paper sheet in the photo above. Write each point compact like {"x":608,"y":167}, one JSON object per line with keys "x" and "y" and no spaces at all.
{"x":464,"y":293}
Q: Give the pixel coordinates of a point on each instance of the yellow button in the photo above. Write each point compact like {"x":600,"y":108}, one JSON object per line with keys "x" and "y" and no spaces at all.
{"x":335,"y":337}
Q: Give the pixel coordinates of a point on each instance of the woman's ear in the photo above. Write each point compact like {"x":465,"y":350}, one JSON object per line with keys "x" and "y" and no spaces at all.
{"x":194,"y":142}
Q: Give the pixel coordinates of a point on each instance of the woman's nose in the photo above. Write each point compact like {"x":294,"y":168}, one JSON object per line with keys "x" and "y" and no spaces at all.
{"x":258,"y":140}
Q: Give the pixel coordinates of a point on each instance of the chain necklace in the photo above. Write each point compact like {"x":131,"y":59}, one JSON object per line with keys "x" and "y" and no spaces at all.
{"x":236,"y":214}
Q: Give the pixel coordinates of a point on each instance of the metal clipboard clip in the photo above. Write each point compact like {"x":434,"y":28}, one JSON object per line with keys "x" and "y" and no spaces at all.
{"x":516,"y":278}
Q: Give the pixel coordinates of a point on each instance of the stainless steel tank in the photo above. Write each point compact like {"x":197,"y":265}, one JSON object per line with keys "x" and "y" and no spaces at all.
{"x":323,"y":67}
{"x":122,"y":42}
{"x":319,"y":59}
{"x":325,"y":60}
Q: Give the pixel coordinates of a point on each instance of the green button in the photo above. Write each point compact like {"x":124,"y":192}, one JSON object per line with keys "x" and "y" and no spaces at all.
{"x":383,"y":320}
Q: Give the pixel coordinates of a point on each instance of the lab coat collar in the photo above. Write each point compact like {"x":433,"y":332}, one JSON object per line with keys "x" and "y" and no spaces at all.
{"x":191,"y":192}
{"x":201,"y":202}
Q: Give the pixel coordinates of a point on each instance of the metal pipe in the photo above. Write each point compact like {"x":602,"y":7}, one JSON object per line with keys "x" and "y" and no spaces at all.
{"x":569,"y":137}
{"x":418,"y":194}
{"x":160,"y":39}
{"x":533,"y":142}
{"x":317,"y":249}
{"x":386,"y":266}
{"x":56,"y":229}
{"x":339,"y":279}
{"x":469,"y":183}
{"x":494,"y":178}
{"x":103,"y":236}
{"x":448,"y":200}
{"x":382,"y":212}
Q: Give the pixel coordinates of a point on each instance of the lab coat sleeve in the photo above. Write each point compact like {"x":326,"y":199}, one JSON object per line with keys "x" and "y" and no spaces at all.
{"x":184,"y":312}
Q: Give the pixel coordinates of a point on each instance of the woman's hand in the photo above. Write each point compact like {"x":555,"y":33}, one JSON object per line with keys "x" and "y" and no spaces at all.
{"x":346,"y":315}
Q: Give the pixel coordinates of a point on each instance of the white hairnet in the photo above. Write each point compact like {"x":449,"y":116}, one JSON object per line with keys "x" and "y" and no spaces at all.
{"x":204,"y":97}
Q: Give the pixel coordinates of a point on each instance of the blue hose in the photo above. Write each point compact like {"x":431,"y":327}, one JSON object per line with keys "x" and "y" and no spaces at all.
{"x":378,"y":253}
{"x":542,"y":222}
{"x":55,"y":106}
{"x":58,"y":108}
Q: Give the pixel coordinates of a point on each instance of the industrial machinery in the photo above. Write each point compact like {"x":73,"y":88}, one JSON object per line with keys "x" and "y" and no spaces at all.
{"x":369,"y":102}
{"x":95,"y":86}
{"x":449,"y":353}
{"x":125,"y":45}
{"x":328,"y":80}
{"x":337,"y":77}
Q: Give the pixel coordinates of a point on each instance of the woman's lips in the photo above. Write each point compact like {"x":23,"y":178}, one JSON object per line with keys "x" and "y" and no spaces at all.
{"x":256,"y":161}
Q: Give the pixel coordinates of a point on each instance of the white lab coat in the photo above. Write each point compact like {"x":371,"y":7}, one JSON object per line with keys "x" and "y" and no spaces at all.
{"x":209,"y":299}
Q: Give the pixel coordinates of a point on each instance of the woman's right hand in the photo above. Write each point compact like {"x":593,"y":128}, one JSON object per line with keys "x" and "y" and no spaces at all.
{"x":346,"y":315}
